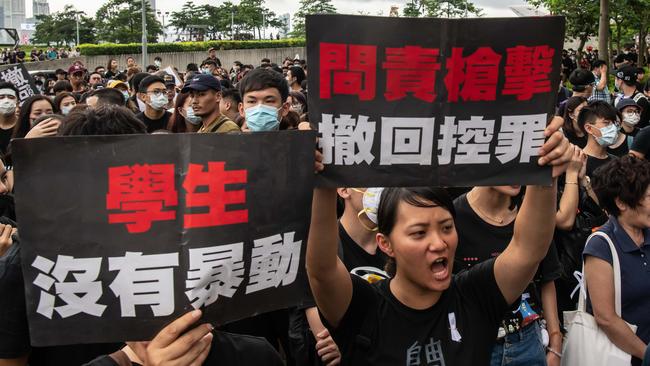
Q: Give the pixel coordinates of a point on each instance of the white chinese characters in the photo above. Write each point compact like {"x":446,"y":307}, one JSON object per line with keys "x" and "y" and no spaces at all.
{"x":146,"y":282}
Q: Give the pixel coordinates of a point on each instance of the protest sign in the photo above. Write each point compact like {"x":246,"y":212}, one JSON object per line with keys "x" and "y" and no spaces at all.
{"x":19,"y":76}
{"x":438,"y":102}
{"x":122,"y":234}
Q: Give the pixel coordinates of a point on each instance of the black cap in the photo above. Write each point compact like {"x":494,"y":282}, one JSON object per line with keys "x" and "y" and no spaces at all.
{"x":201,"y":82}
{"x":581,"y":78}
{"x":627,"y":74}
{"x":626,"y":102}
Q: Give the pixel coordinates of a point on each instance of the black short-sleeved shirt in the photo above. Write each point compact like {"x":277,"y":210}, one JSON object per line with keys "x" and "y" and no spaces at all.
{"x":227,"y":350}
{"x":479,"y":241}
{"x":14,"y":332}
{"x":621,"y":150}
{"x":594,"y":163}
{"x":641,"y":142}
{"x":400,"y":335}
{"x":355,"y":257}
{"x":580,"y":142}
{"x":154,"y":124}
{"x":5,"y":138}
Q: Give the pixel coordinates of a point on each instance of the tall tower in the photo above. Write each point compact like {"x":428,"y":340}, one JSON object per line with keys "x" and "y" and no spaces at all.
{"x":40,"y":7}
{"x":14,"y":13}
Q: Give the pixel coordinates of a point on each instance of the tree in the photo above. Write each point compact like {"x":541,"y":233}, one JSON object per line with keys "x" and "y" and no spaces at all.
{"x":603,"y":30}
{"x":119,"y":21}
{"x":441,"y":8}
{"x":61,"y":28}
{"x":308,"y":7}
{"x":581,"y":17}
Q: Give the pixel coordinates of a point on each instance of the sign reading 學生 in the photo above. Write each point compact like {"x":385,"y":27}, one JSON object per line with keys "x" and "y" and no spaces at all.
{"x":157,"y":226}
{"x":443,"y":102}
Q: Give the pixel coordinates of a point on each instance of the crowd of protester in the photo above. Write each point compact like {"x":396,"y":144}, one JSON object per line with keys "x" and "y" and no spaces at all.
{"x":484,"y":273}
{"x":18,"y":55}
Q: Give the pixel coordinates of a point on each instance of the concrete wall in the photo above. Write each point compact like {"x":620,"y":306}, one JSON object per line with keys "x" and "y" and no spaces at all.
{"x":227,"y":57}
{"x":178,"y":59}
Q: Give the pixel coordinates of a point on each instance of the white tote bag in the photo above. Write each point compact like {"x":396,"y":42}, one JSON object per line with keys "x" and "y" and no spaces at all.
{"x":586,"y":344}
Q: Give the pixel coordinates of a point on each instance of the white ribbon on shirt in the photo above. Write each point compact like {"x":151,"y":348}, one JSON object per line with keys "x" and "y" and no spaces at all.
{"x":455,"y":335}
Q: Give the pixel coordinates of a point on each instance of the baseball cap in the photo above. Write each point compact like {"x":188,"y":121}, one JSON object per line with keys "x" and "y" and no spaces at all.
{"x":627,"y":74}
{"x":201,"y":82}
{"x":169,"y":80}
{"x":626,"y":102}
{"x":115,"y":83}
{"x":75,"y":68}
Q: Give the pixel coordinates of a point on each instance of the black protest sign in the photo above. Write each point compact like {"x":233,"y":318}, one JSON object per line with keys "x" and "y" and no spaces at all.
{"x":19,"y":76}
{"x":443,"y":102}
{"x":122,"y":234}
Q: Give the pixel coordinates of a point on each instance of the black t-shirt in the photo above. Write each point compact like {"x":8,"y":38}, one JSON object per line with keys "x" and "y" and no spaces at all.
{"x":14,"y":332}
{"x":479,"y":241}
{"x":399,"y":335}
{"x":641,"y":142}
{"x":580,"y":142}
{"x":227,"y":350}
{"x":621,"y":150}
{"x":154,"y":124}
{"x":595,"y":163}
{"x":5,"y":138}
{"x":355,"y":258}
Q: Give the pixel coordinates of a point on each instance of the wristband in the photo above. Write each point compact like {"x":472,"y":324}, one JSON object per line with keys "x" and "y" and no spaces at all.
{"x":558,"y":354}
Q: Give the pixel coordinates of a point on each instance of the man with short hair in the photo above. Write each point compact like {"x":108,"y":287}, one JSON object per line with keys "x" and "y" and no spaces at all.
{"x":600,"y":91}
{"x":626,"y":83}
{"x":153,"y":94}
{"x":212,"y":55}
{"x":209,"y":67}
{"x":295,"y":76}
{"x":205,"y":92}
{"x":583,"y":86}
{"x":8,"y":118}
{"x":60,"y":74}
{"x":229,"y":103}
{"x":130,"y":62}
{"x":94,"y":79}
{"x":62,"y":86}
{"x":77,"y":74}
{"x":106,"y":96}
{"x":264,"y":96}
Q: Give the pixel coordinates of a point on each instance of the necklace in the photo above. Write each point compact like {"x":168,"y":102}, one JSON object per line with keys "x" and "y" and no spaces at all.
{"x":493,"y":219}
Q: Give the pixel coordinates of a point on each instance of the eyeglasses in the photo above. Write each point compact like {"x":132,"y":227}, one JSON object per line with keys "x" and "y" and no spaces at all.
{"x":158,"y":92}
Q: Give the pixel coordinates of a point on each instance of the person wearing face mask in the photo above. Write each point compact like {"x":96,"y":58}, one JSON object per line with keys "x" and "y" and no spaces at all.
{"x":358,"y":251}
{"x":208,"y":67}
{"x":264,"y":100}
{"x":598,"y":121}
{"x":157,"y":61}
{"x":205,"y":92}
{"x":630,"y":116}
{"x":8,"y":119}
{"x":183,"y":118}
{"x":298,"y":102}
{"x":63,"y":103}
{"x":625,"y":83}
{"x":153,"y":93}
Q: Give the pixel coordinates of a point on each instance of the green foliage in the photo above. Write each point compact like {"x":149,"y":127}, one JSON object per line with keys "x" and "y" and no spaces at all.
{"x":60,"y":28}
{"x":120,"y":21}
{"x":308,"y":7}
{"x":441,"y":8}
{"x":581,"y":16}
{"x":134,"y":48}
{"x":249,"y":17}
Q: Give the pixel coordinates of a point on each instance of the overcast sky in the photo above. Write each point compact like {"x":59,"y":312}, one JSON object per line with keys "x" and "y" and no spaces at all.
{"x":491,"y":8}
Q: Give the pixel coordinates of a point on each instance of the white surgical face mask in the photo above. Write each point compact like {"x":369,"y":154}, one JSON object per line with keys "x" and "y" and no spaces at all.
{"x":65,"y":110}
{"x":158,"y":102}
{"x":7,"y":106}
{"x":157,"y":63}
{"x":631,"y":119}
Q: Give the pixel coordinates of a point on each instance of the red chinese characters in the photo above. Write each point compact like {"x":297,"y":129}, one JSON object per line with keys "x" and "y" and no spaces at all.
{"x":348,"y":70}
{"x":527,"y":71}
{"x":146,"y":193}
{"x":216,"y":197}
{"x":473,"y":78}
{"x":141,"y":192}
{"x":411,"y":69}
